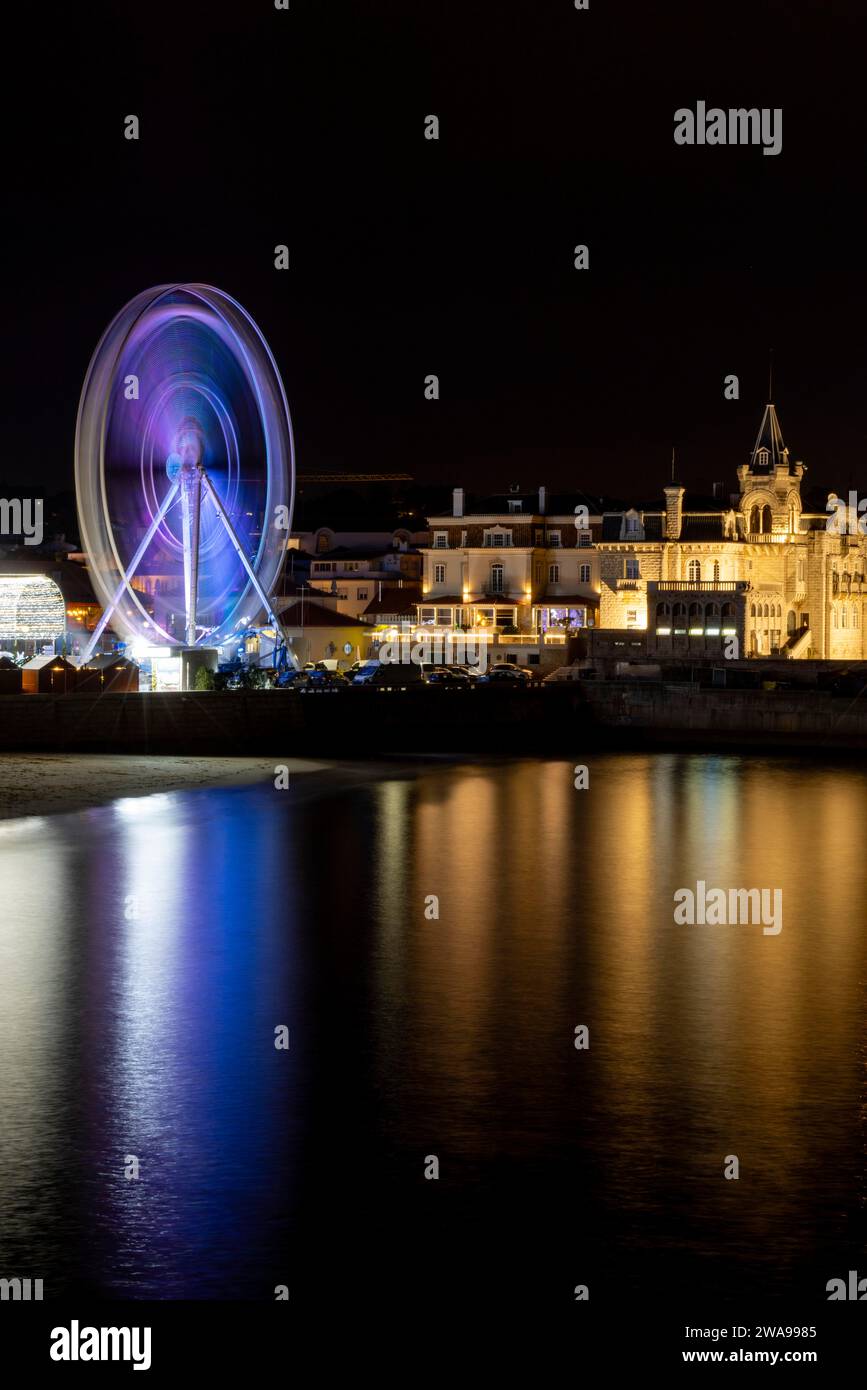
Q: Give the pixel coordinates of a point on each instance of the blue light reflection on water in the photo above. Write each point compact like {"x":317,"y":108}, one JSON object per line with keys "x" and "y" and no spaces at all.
{"x":154,"y":979}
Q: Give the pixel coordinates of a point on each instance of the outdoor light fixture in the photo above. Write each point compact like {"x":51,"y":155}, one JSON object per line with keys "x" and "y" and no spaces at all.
{"x":31,"y":608}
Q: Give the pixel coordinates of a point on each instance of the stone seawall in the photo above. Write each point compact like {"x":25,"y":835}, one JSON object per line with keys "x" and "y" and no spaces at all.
{"x":368,"y":723}
{"x":687,"y":714}
{"x":356,"y":723}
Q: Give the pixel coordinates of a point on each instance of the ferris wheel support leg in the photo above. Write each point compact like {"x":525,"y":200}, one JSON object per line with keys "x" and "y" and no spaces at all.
{"x":130,"y":571}
{"x":191,"y":501}
{"x":251,"y":573}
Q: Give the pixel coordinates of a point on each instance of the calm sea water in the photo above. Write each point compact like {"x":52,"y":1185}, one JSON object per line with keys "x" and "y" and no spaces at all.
{"x":150,"y":948}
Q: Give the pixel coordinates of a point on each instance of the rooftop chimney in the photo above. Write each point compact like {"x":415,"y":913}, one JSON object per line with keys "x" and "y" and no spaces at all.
{"x":457,"y":501}
{"x":543,"y":500}
{"x":673,"y":511}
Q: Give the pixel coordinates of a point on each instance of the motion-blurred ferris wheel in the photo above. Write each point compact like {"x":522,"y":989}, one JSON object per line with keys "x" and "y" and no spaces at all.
{"x":184,"y":469}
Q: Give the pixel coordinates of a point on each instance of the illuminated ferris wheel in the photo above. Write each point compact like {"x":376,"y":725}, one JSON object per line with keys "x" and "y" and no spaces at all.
{"x":184,"y":470}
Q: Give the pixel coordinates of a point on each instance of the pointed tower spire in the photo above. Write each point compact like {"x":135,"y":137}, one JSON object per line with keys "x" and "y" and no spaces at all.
{"x":769,"y":449}
{"x":770,"y":374}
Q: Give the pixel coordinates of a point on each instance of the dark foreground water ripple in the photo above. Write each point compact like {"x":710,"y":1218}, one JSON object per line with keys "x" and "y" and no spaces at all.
{"x":149,"y":949}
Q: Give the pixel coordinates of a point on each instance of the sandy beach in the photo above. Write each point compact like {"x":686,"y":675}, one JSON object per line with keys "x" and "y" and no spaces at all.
{"x":41,"y":783}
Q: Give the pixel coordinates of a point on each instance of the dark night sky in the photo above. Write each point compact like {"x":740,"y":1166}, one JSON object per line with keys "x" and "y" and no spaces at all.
{"x":409,"y":257}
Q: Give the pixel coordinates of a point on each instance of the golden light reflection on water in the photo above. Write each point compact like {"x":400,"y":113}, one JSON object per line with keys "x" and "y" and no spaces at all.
{"x":557,"y":908}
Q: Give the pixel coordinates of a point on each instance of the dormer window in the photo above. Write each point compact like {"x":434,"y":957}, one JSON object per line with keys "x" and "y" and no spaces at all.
{"x":762,"y":458}
{"x":514,"y":504}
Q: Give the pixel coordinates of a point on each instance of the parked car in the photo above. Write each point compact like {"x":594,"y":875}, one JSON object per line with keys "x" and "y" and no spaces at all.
{"x":472,"y":673}
{"x":448,"y":675}
{"x":399,"y":675}
{"x":361,"y":672}
{"x":310,"y":682}
{"x":503,"y":674}
{"x":286,"y":679}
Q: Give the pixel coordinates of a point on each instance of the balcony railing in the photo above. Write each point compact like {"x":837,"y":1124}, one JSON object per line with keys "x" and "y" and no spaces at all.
{"x":680,"y":586}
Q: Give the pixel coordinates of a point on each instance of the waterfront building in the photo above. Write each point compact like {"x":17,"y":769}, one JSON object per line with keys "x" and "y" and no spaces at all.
{"x":520,"y":567}
{"x":756,"y":572}
{"x":758,"y":564}
{"x":317,"y":633}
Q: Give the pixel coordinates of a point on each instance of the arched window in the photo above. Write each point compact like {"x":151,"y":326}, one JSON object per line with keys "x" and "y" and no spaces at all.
{"x":662,"y":612}
{"x":755,"y":521}
{"x":716,"y":570}
{"x":693,"y":571}
{"x":844,"y":616}
{"x":752,"y":610}
{"x":836,"y":624}
{"x":711,"y":612}
{"x":696,"y":614}
{"x":767,"y":519}
{"x":766,"y":613}
{"x":728,"y":610}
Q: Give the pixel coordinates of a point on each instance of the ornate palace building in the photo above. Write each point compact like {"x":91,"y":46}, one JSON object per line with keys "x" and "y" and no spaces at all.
{"x":690,"y":573}
{"x":757,"y":565}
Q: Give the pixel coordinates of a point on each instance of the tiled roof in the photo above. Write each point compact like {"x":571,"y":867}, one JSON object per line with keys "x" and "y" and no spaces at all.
{"x":395,"y":601}
{"x":316,"y":615}
{"x":696,"y":527}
